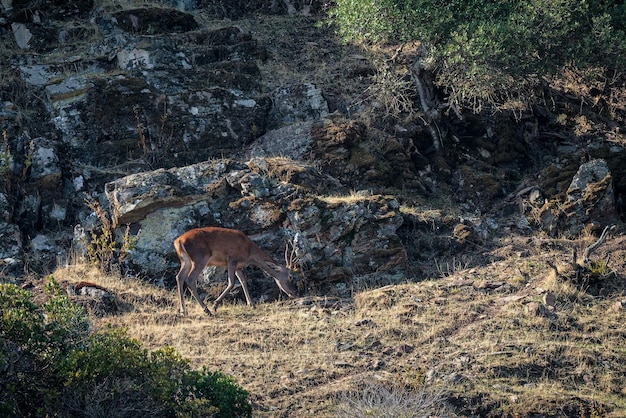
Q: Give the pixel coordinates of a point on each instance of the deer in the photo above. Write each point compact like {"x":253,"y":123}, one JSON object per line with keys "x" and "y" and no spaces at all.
{"x":214,"y":246}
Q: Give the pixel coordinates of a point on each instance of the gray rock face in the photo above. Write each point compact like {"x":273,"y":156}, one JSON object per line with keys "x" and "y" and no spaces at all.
{"x":11,"y":254}
{"x":337,"y":238}
{"x":293,"y":141}
{"x":589,"y":202}
{"x":297,"y":103}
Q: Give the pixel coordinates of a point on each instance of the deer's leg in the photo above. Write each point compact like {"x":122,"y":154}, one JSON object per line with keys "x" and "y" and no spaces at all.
{"x":242,"y":280}
{"x":192,"y":281}
{"x":231,"y":282}
{"x":181,"y":278}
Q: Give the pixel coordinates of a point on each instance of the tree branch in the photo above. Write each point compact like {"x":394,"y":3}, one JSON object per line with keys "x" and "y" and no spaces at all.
{"x":596,"y":244}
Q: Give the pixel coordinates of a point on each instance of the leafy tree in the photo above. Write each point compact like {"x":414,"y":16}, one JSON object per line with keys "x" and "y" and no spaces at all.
{"x":490,"y":53}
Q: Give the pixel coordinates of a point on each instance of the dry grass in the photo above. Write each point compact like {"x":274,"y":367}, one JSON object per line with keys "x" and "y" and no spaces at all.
{"x":469,"y":336}
{"x":353,"y":197}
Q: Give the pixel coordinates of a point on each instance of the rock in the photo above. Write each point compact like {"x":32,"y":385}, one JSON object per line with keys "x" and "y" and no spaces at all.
{"x":454,"y":377}
{"x":377,"y":364}
{"x":589,"y":200}
{"x":5,"y":209}
{"x":403,"y":349}
{"x":135,"y":196}
{"x":343,"y":364}
{"x":549,"y":300}
{"x":67,"y":91}
{"x":44,"y":160}
{"x":535,"y":309}
{"x":358,"y":237}
{"x":11,"y":250}
{"x":296,"y":103}
{"x":589,"y":173}
{"x":99,"y":300}
{"x":22,"y":35}
{"x":293,"y":141}
{"x":182,"y":86}
{"x":155,"y":20}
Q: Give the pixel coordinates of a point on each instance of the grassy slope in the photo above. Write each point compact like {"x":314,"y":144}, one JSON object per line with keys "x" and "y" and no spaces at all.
{"x":469,"y":333}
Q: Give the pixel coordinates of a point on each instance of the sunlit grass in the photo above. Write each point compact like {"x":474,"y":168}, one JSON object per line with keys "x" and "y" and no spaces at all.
{"x":476,"y":344}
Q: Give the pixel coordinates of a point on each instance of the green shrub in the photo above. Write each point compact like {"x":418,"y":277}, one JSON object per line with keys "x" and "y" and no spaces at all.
{"x":32,"y":340}
{"x":102,"y":249}
{"x":482,"y":51}
{"x":219,"y":390}
{"x":52,"y":365}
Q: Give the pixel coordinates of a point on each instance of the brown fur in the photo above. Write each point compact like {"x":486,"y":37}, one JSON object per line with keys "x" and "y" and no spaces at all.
{"x":213,"y":246}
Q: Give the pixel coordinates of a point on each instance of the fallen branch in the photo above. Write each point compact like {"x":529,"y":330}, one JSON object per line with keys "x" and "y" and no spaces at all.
{"x":596,"y":244}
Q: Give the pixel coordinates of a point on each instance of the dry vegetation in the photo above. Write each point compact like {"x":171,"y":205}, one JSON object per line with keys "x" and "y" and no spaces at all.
{"x":509,"y":338}
{"x":488,"y":338}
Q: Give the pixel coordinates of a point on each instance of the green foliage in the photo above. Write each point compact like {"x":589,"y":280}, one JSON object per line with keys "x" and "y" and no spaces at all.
{"x":48,"y":354}
{"x":482,"y":49}
{"x":66,"y":322}
{"x":103,"y":250}
{"x":20,"y":317}
{"x":218,"y":389}
{"x":32,"y":339}
{"x":598,"y":268}
{"x":369,"y":21}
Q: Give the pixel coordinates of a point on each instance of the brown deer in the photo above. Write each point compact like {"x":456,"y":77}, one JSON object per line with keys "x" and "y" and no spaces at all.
{"x":212,"y":246}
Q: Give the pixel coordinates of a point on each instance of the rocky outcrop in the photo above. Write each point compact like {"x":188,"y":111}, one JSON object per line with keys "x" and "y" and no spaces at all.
{"x":589,"y":202}
{"x":339,"y":239}
{"x":152,"y":90}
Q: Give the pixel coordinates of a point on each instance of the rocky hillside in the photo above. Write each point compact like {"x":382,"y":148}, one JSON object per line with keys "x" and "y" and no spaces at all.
{"x":175,"y":117}
{"x":170,"y":119}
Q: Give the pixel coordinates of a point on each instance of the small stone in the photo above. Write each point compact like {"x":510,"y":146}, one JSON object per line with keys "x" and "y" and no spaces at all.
{"x":343,"y":364}
{"x":454,"y":377}
{"x":404,"y":349}
{"x":549,"y":300}
{"x":535,"y":309}
{"x":377,"y":364}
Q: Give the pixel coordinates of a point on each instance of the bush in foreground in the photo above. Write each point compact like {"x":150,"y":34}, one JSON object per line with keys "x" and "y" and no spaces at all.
{"x":52,"y":365}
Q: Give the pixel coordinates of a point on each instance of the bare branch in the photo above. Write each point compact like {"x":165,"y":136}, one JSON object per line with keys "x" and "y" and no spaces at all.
{"x":596,"y":244}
